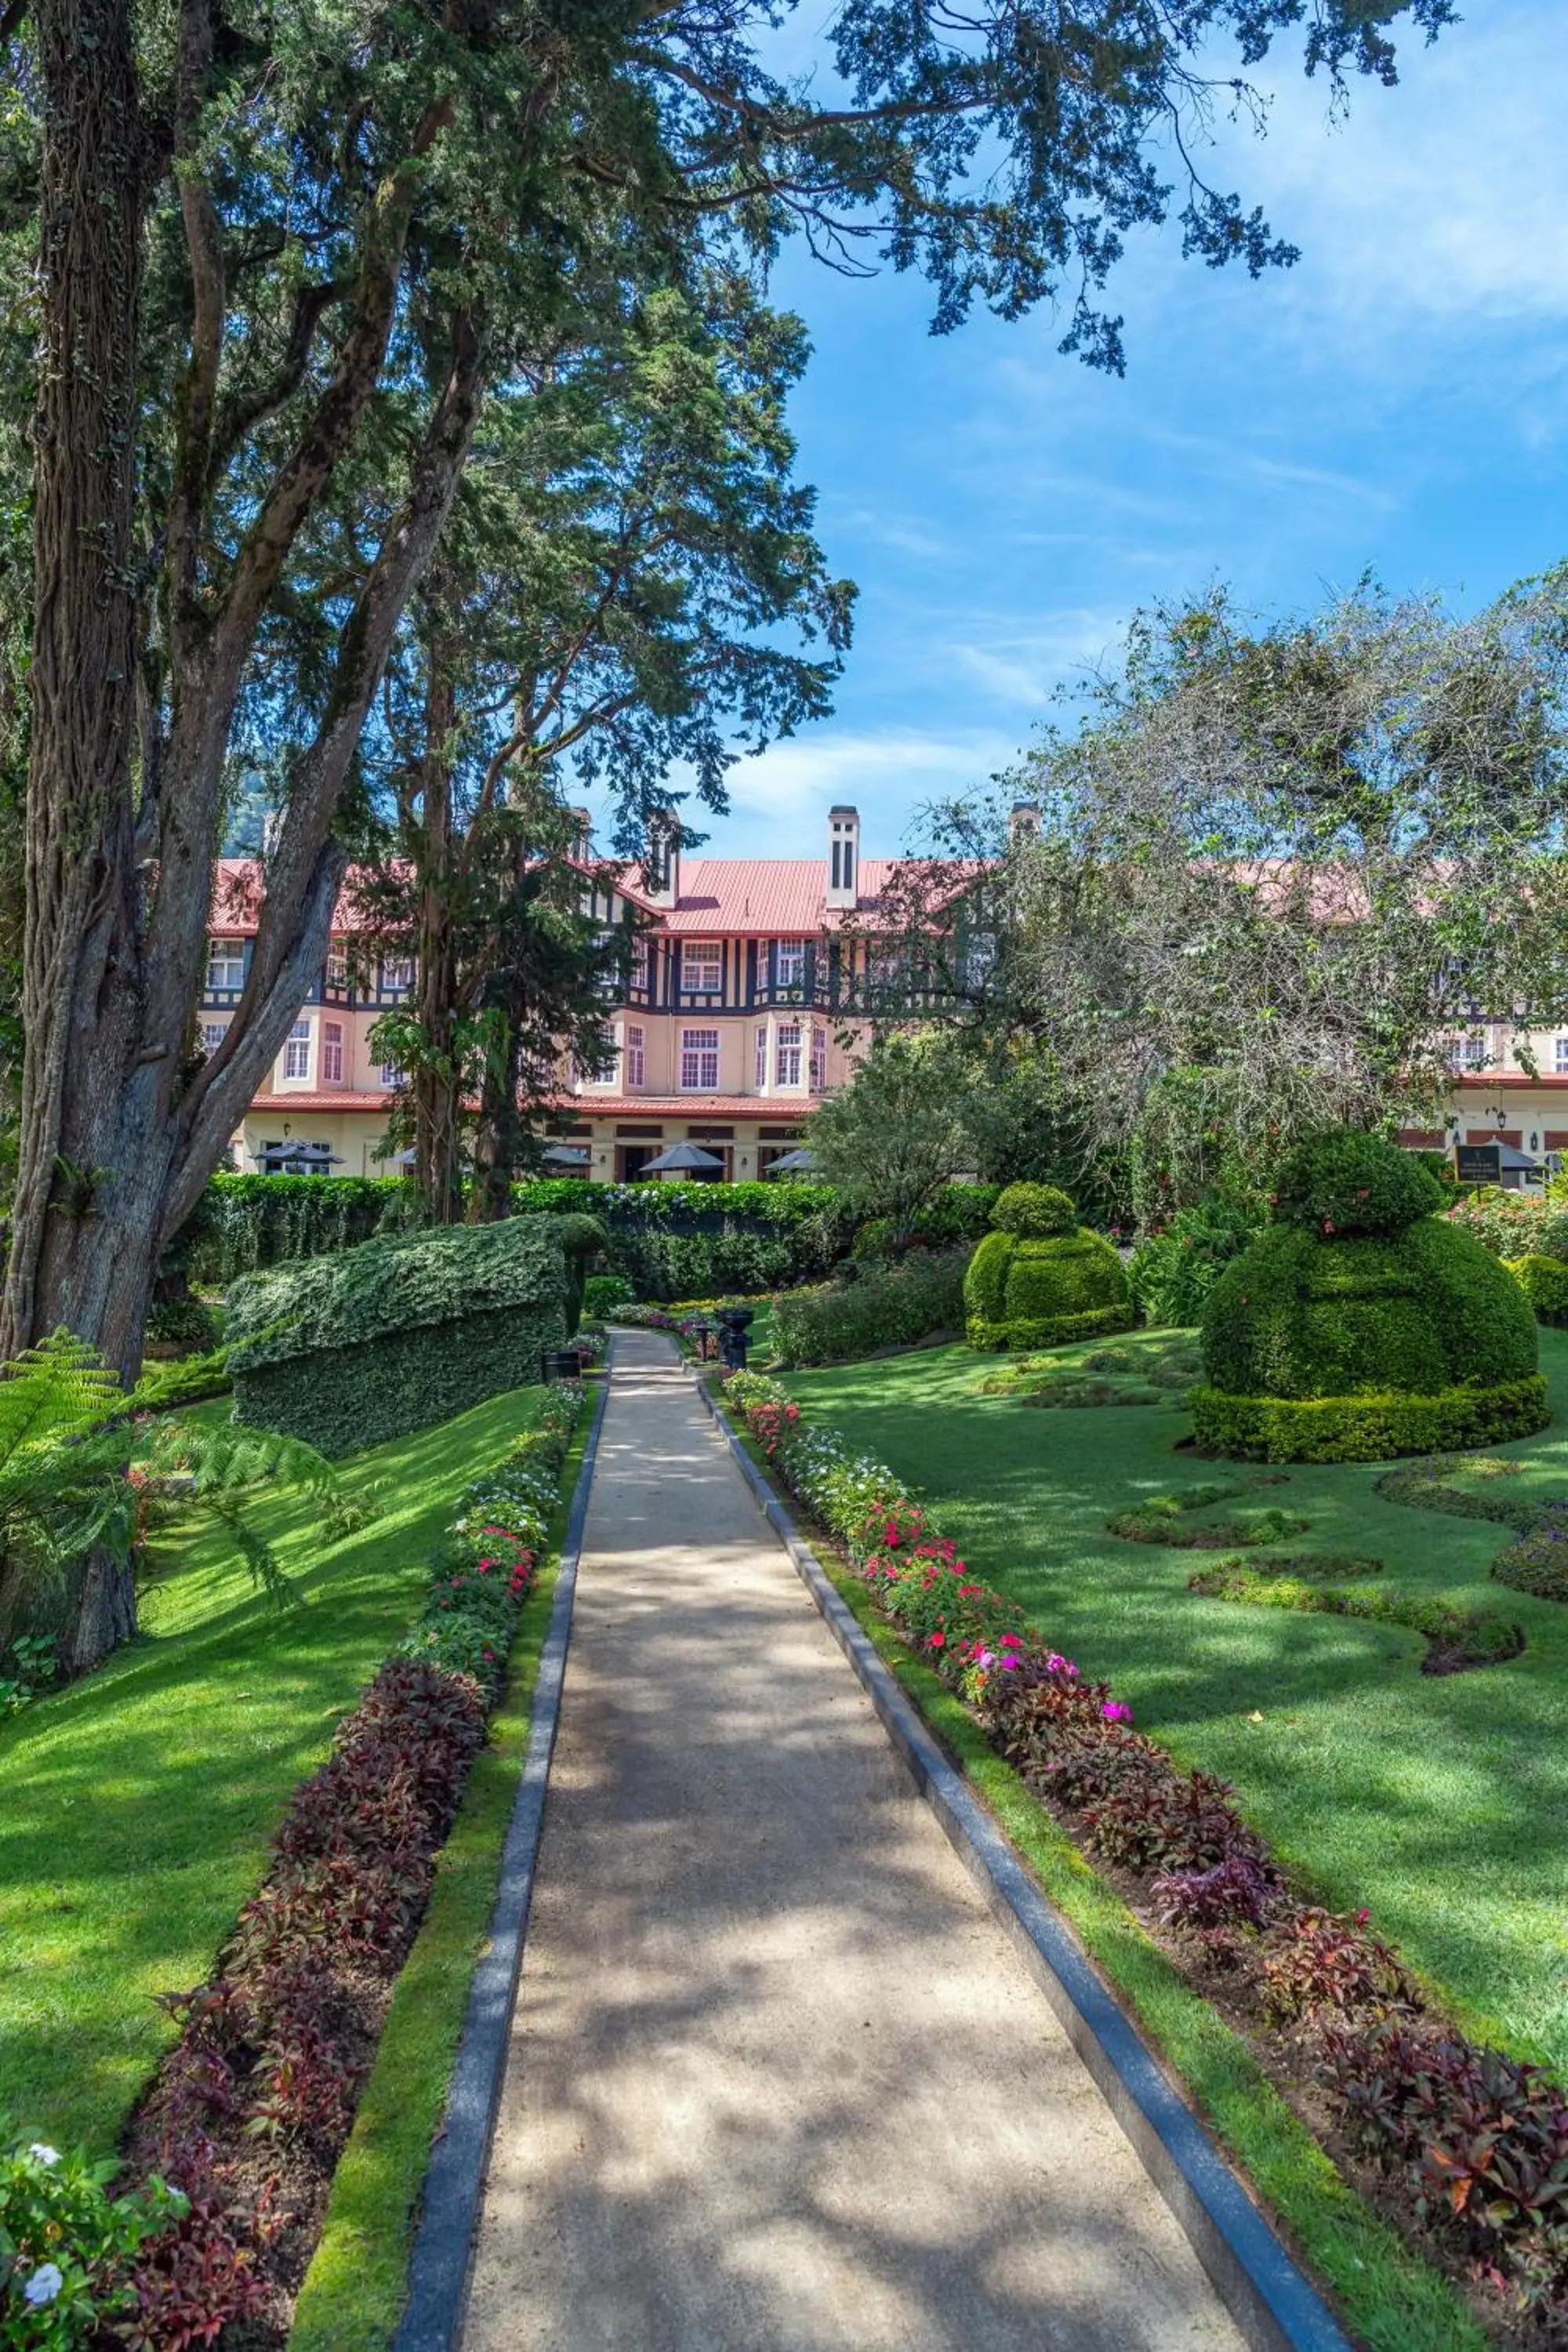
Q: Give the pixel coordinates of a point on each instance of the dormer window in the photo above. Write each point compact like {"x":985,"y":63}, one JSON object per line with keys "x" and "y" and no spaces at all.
{"x":225,"y":965}
{"x":396,"y":974}
{"x":702,"y":968}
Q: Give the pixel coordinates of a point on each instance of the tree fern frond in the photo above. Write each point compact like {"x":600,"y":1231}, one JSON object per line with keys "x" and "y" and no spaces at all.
{"x":61,"y":1386}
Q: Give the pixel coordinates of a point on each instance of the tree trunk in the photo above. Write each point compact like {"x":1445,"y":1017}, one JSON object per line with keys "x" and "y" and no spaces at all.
{"x":437,"y":1080}
{"x":105,"y":1610}
{"x":77,"y":1211}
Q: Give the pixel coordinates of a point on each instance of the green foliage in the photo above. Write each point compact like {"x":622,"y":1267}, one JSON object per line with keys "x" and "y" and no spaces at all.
{"x":896,"y":1305}
{"x":1343,"y":1182}
{"x":894,"y":1136}
{"x":603,"y":1293}
{"x":397,"y":1334}
{"x":1173,"y":1273}
{"x":663,"y":1265}
{"x":1424,"y":1311}
{"x":248,"y":1221}
{"x":1537,"y":1563}
{"x":187,"y":1381}
{"x":1513,"y":1224}
{"x":583,"y":1239}
{"x":68,"y":2245}
{"x":1544,"y":1282}
{"x":186,"y":1322}
{"x":1041,"y":1293}
{"x":1368,"y":1427}
{"x":1035,"y":1212}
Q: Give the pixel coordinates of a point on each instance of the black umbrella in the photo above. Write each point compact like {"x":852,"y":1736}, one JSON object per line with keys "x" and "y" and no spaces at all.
{"x":681,"y":1155}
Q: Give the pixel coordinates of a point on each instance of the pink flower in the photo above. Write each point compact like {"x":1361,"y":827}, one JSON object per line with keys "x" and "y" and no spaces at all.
{"x":1114,"y":1711}
{"x":1010,"y":1640}
{"x":936,"y":1641}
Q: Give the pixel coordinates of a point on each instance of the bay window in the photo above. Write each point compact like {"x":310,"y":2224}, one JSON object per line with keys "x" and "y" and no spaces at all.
{"x":297,"y":1051}
{"x":787,"y":1066}
{"x":699,"y":1061}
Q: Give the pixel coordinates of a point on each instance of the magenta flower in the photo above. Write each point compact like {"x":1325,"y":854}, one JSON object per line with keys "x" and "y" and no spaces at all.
{"x":1115,"y":1711}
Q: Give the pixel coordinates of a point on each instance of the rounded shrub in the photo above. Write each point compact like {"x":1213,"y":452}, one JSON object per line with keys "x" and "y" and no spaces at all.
{"x":1039,"y":1279}
{"x":1360,"y":1326}
{"x":1344,"y":1183}
{"x":1034,"y":1210}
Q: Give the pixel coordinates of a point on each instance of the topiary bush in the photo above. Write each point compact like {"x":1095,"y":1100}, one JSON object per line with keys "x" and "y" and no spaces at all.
{"x":397,"y":1335}
{"x":1039,"y":1278}
{"x":1360,"y":1326}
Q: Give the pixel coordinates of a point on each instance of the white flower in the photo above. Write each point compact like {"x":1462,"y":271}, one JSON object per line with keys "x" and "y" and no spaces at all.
{"x":43,"y":2285}
{"x":43,"y":2152}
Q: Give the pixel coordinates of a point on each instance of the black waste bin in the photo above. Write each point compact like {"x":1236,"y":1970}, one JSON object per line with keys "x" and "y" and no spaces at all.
{"x":733,"y":1324}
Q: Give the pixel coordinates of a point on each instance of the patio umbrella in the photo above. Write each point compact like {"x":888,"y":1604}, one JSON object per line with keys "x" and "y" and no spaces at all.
{"x":566,"y":1155}
{"x":681,"y":1155}
{"x":793,"y":1163}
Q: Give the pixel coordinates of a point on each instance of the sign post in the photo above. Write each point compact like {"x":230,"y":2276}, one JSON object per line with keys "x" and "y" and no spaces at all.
{"x":1478,"y":1163}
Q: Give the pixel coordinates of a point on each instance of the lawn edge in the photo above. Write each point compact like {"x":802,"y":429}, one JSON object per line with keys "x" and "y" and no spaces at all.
{"x":1392,"y":2298}
{"x":357,"y":2286}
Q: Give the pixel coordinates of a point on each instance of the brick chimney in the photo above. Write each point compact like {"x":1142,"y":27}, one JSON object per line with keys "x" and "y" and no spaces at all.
{"x":842,"y":858}
{"x":663,"y":874}
{"x":582,"y":823}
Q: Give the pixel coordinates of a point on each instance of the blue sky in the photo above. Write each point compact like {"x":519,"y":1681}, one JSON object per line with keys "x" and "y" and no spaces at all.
{"x":1399,"y":400}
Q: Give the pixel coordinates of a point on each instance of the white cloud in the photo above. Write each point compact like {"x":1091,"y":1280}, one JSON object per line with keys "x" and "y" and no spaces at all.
{"x":780,"y":800}
{"x":1027,"y":664}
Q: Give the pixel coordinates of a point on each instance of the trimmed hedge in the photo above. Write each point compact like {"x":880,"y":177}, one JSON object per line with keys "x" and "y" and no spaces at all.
{"x":397,"y":1335}
{"x":1043,"y":1292}
{"x":896,"y":1306}
{"x":1367,"y":1427}
{"x":1544,"y":1282}
{"x":673,"y":1241}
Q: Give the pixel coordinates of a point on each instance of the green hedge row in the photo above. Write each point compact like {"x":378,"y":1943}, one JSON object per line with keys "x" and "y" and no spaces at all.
{"x":673,"y":1241}
{"x":1367,"y":1428}
{"x":896,"y":1306}
{"x":397,"y":1335}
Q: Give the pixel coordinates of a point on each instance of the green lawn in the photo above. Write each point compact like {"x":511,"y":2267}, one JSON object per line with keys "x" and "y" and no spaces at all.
{"x":1440,"y":1802}
{"x":139,"y":1804}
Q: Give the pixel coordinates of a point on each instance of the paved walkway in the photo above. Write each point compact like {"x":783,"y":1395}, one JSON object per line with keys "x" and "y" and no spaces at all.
{"x":777,"y":2082}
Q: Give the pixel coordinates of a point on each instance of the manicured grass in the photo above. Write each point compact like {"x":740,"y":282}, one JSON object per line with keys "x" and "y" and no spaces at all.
{"x":1442,"y":1803}
{"x":354,"y":2290}
{"x":139,"y":1804}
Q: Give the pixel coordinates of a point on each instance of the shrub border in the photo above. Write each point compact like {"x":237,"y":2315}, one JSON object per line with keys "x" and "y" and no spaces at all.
{"x":1369,"y":1428}
{"x":442,"y":2261}
{"x":1263,"y":2288}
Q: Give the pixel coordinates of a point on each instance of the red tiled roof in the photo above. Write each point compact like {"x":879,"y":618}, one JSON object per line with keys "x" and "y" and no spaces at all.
{"x":286,"y":1105}
{"x":699,"y":1107}
{"x":779,"y":897}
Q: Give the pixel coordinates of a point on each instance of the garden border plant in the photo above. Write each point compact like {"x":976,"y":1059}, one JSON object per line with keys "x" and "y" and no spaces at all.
{"x":1465,"y":2148}
{"x":262,"y":2085}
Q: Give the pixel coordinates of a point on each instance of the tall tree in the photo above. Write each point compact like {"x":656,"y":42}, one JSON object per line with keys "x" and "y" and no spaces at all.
{"x":626,"y":548}
{"x":1281,"y":868}
{"x":327,"y":227}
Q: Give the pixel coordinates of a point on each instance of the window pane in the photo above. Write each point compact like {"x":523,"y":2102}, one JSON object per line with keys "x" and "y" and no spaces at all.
{"x":788,"y":1064}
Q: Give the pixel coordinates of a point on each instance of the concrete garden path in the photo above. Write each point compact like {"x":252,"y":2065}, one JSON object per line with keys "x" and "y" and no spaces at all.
{"x":777,"y":2082}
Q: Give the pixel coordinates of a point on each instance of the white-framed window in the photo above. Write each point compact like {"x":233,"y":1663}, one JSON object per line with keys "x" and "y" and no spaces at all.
{"x":226,"y":964}
{"x":331,"y":1053}
{"x":213,"y":1035}
{"x":297,"y":1051}
{"x":1472,"y":1052}
{"x":786,"y":1065}
{"x":603,"y":1077}
{"x":760,"y":1072}
{"x":391,"y":1075}
{"x":1560,"y":1058}
{"x":699,"y":1061}
{"x":640,"y":961}
{"x":338,"y":964}
{"x":633,"y":1050}
{"x":702,"y":966}
{"x":818,"y":1060}
{"x":396,"y":971}
{"x":789,"y":962}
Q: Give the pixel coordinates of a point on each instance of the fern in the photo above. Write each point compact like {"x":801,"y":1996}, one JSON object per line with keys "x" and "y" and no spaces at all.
{"x":69,"y":1442}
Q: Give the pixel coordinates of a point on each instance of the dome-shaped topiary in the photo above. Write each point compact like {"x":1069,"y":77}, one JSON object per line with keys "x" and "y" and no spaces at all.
{"x":1358,"y":1326}
{"x":1034,"y":1210}
{"x":1039,"y":1278}
{"x":1343,"y":1182}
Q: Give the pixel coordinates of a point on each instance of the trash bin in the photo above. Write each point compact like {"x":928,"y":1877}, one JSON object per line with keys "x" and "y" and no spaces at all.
{"x":562,"y":1364}
{"x":733,"y":1324}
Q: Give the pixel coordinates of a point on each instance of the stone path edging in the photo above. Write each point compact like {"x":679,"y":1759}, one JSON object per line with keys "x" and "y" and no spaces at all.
{"x":454,"y":2184}
{"x":1264,"y":2291}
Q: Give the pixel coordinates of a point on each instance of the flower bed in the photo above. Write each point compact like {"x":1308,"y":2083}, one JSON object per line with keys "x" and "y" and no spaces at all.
{"x":1467,"y":2148}
{"x":247,"y":2114}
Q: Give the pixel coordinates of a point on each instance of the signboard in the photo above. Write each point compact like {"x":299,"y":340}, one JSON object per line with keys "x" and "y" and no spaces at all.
{"x":1479,"y":1163}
